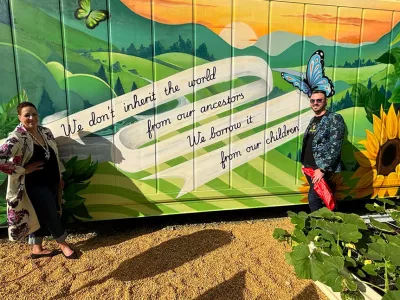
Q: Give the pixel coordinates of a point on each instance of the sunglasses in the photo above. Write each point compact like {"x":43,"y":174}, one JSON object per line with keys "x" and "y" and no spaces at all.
{"x":312,"y":101}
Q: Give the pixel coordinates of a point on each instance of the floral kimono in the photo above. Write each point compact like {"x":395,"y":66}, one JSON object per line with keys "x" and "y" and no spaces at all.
{"x":14,"y":154}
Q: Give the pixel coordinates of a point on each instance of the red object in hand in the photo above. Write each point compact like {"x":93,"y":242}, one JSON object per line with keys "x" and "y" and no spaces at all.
{"x":322,"y":189}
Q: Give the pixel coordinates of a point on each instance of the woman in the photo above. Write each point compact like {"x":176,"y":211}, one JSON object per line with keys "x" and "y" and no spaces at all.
{"x":30,"y":158}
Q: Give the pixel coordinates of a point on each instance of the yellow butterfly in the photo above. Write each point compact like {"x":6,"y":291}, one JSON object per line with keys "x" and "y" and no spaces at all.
{"x":93,"y":18}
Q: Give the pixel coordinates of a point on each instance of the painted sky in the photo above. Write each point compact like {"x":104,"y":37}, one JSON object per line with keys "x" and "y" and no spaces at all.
{"x":250,"y":18}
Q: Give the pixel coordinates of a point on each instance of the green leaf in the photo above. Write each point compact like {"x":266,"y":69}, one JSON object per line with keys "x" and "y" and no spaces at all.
{"x":398,"y":283}
{"x":375,"y":207}
{"x":380,"y":226}
{"x":392,"y":295}
{"x":298,"y":219}
{"x":280,"y":234}
{"x":3,"y":219}
{"x":352,"y":219}
{"x":390,"y":57}
{"x":396,"y":216}
{"x":395,"y":98}
{"x":318,"y":232}
{"x":395,"y":40}
{"x":82,"y":212}
{"x":393,"y":239}
{"x":370,"y":269}
{"x":336,"y":275}
{"x":342,"y":232}
{"x":324,"y":213}
{"x":70,"y":205}
{"x":81,"y":166}
{"x":351,"y":295}
{"x":361,"y":274}
{"x":373,"y":102}
{"x":350,"y":261}
{"x":299,"y":236}
{"x":388,"y":252}
{"x":387,"y":201}
{"x":306,"y":266}
{"x":359,"y":93}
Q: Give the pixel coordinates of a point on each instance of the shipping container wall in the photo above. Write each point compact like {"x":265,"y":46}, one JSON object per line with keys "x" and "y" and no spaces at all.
{"x":181,"y":106}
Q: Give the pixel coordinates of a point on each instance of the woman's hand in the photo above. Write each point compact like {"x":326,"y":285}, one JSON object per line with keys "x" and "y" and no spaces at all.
{"x":32,"y":167}
{"x":62,"y":184}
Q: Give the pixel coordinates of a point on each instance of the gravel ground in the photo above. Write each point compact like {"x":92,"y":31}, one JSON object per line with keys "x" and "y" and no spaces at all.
{"x":229,"y":255}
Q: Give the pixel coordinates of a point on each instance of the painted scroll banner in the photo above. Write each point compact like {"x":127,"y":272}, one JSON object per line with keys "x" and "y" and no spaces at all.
{"x":130,"y":104}
{"x":216,"y":163}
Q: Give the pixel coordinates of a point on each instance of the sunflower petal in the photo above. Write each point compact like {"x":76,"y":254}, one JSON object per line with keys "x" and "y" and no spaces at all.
{"x":365,"y":159}
{"x":392,"y":191}
{"x":382,"y":192}
{"x":373,"y":143}
{"x":364,"y":192}
{"x":366,"y":180}
{"x":378,"y":181}
{"x":383,"y":115}
{"x":360,"y":172}
{"x":379,"y":130}
{"x":391,"y":123}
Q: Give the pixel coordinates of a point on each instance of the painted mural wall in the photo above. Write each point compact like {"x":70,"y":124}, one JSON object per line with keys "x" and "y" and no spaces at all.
{"x":179,"y":106}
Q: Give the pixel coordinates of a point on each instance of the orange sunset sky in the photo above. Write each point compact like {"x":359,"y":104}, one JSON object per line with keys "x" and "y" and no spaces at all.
{"x":254,"y":18}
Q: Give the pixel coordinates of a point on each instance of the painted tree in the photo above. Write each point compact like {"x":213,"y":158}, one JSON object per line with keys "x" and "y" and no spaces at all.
{"x":101,"y":73}
{"x":134,"y":86}
{"x":45,"y":106}
{"x":119,"y":89}
{"x":131,"y":50}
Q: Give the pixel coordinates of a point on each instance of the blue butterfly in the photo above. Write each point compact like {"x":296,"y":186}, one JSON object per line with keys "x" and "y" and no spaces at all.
{"x":314,"y":79}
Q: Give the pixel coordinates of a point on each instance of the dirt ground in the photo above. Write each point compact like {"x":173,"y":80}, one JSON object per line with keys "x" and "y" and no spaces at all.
{"x":144,"y":260}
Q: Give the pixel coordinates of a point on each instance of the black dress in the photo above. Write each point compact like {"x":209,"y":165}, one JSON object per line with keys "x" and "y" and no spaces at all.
{"x":42,"y":189}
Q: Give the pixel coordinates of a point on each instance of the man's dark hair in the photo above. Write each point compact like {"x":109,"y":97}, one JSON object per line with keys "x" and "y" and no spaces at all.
{"x":319,"y":92}
{"x":25,"y":104}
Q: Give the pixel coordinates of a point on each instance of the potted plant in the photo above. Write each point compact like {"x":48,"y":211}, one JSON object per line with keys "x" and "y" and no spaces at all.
{"x":345,"y":252}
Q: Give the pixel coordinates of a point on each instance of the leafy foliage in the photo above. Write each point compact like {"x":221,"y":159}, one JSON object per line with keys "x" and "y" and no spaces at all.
{"x":331,"y":246}
{"x":8,"y":114}
{"x":76,"y":177}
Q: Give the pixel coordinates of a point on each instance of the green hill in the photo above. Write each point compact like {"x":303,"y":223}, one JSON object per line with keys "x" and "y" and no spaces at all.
{"x":293,"y":55}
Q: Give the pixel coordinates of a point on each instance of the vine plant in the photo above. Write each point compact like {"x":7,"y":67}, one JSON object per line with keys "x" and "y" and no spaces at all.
{"x":341,"y":250}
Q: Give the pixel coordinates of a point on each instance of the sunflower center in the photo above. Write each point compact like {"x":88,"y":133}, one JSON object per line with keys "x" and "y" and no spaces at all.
{"x":388,"y":157}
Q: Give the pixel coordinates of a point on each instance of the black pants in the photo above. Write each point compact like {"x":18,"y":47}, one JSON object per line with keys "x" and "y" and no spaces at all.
{"x":314,"y":201}
{"x":44,"y":201}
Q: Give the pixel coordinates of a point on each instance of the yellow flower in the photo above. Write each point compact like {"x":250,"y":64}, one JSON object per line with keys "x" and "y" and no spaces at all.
{"x":337,"y":181}
{"x":379,"y":171}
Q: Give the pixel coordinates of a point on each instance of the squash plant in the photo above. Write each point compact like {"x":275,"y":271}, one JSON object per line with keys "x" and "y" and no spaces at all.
{"x":76,"y":177}
{"x":332,"y":247}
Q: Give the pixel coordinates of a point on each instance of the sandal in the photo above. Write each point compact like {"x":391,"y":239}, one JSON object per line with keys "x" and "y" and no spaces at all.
{"x":74,"y":255}
{"x":40,"y":255}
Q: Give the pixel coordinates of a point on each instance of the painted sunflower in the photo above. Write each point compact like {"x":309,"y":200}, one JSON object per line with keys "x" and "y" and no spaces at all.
{"x":379,"y":171}
{"x":337,"y":181}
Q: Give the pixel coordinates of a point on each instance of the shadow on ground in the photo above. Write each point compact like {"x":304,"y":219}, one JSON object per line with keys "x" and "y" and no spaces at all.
{"x":310,"y":292}
{"x":230,"y":289}
{"x":164,"y":257}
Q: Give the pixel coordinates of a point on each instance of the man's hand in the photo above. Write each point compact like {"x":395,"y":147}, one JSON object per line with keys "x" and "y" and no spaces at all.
{"x":317,"y":176}
{"x":32,"y":167}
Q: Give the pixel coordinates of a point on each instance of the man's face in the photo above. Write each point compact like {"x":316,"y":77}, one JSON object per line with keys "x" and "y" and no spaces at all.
{"x":318,"y":102}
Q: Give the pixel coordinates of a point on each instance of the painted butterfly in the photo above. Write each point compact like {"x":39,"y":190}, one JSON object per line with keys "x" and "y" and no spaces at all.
{"x":93,"y":18}
{"x":314,"y":78}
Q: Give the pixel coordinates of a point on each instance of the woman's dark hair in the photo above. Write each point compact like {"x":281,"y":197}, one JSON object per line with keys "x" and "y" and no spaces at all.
{"x":25,"y":104}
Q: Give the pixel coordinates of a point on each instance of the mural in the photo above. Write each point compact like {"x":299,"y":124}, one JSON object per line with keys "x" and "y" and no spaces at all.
{"x":180,"y":106}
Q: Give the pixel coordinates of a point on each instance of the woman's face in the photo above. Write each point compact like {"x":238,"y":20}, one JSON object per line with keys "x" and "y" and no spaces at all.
{"x":29,"y":118}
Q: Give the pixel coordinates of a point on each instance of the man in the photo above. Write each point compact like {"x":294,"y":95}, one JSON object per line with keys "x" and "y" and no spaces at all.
{"x":322,"y":145}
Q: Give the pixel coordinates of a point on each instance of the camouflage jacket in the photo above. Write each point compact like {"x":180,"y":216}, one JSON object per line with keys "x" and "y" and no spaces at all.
{"x":327,"y":142}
